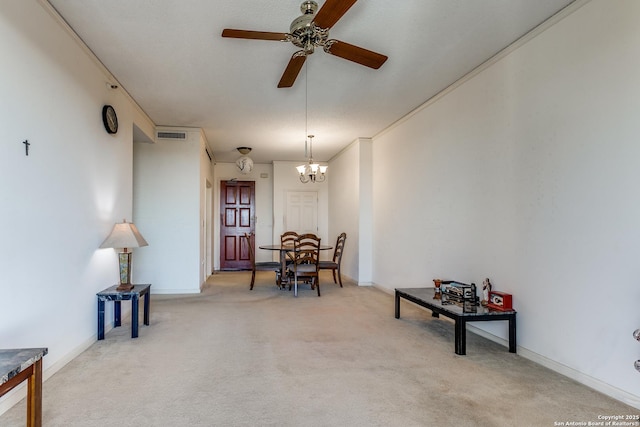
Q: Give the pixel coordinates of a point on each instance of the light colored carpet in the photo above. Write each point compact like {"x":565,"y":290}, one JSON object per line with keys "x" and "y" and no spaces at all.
{"x":234,"y":357}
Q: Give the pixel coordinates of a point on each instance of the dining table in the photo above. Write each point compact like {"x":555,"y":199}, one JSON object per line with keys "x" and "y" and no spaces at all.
{"x":282,"y":276}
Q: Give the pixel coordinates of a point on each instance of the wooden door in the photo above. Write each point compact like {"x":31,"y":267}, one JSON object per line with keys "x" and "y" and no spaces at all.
{"x":237,"y":205}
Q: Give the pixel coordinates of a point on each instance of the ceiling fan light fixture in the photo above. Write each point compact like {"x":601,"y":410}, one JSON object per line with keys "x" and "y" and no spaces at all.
{"x":308,"y":7}
{"x":309,"y":31}
{"x":244,"y":163}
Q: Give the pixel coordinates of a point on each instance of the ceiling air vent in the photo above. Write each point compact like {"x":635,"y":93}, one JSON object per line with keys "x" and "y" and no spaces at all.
{"x":172,"y":135}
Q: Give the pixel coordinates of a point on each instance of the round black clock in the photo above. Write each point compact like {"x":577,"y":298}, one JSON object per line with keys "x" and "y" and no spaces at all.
{"x":109,"y":119}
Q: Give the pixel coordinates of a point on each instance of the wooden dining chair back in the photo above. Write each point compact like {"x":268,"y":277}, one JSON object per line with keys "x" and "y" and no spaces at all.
{"x":306,"y":261}
{"x":260,"y":266}
{"x":287,"y":239}
{"x":335,"y":264}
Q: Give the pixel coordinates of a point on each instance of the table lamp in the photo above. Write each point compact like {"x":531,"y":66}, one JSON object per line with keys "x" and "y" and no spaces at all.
{"x":124,"y":235}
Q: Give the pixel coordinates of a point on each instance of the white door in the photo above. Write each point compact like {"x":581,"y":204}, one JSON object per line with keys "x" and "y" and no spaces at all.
{"x":301,"y":212}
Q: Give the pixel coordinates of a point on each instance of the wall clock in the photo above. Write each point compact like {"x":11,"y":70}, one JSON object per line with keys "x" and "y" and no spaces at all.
{"x":109,"y":119}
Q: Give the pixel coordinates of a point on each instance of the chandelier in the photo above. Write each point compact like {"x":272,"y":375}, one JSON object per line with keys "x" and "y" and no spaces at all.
{"x":309,"y":172}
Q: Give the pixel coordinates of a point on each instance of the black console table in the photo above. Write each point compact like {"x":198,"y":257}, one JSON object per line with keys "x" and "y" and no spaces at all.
{"x":112,"y":294}
{"x":424,"y":298}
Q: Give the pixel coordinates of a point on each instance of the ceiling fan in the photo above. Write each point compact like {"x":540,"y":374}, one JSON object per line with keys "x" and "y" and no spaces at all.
{"x":309,"y":31}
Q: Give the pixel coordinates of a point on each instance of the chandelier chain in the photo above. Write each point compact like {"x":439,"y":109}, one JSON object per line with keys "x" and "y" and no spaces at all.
{"x":309,"y":172}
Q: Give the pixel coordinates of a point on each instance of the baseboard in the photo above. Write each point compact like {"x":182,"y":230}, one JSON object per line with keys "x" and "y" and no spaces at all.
{"x":383,"y":289}
{"x":568,"y":372}
{"x":175,"y":291}
{"x":584,"y":379}
{"x":20,"y":392}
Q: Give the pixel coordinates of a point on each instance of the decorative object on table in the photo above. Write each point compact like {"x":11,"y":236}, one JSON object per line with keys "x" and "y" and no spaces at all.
{"x":460,"y":294}
{"x":486,"y":288}
{"x":500,"y":301}
{"x":437,"y":292}
{"x":244,"y":163}
{"x":124,"y":235}
{"x":109,"y":119}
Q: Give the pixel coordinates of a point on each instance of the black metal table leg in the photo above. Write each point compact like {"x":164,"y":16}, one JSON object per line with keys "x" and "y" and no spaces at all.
{"x":512,"y":334}
{"x":146,"y":308}
{"x":134,"y":316}
{"x":117,"y":310}
{"x":100,"y":319}
{"x":461,"y":337}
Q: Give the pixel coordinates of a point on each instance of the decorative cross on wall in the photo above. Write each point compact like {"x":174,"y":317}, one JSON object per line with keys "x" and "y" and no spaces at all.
{"x":26,"y":146}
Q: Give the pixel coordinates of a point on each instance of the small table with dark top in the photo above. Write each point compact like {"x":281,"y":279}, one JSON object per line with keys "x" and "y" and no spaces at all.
{"x":111,"y":294}
{"x":17,"y":365}
{"x":424,"y":298}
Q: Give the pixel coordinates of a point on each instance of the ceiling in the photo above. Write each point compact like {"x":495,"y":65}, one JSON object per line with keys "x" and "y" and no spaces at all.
{"x":170,"y":57}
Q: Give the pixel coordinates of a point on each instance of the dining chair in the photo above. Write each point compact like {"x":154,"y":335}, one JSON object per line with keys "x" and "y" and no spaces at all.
{"x":335,"y":264}
{"x":261,"y":266}
{"x":306,"y":261}
{"x":288,"y":238}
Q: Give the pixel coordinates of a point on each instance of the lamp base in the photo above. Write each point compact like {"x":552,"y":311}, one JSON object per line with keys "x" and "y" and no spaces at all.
{"x":124,"y":287}
{"x":124,"y":259}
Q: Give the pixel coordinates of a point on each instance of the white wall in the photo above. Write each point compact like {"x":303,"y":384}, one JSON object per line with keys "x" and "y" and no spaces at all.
{"x":350,"y":208}
{"x":59,"y":203}
{"x":264,"y":205}
{"x":206,"y":210}
{"x":286,"y":178}
{"x":270,"y":202}
{"x":527,"y":173}
{"x":168,"y":212}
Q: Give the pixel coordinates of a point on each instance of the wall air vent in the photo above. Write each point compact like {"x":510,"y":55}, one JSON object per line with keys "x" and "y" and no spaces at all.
{"x":172,"y":135}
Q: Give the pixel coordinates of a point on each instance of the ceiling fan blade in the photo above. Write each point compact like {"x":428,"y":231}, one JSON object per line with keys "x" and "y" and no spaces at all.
{"x":354,"y":53}
{"x":293,"y":69}
{"x":331,"y":11}
{"x":255,"y":35}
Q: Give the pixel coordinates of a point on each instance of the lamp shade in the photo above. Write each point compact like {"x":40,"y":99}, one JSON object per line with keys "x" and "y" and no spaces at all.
{"x":124,"y":235}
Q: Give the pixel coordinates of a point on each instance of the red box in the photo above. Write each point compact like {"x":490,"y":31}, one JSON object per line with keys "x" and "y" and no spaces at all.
{"x":500,"y":301}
